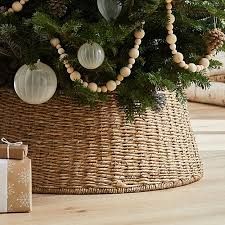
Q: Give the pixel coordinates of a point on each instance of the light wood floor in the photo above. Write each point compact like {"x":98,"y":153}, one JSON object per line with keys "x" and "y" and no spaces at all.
{"x":202,"y":203}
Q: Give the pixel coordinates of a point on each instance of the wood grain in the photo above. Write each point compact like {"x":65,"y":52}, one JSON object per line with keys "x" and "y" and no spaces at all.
{"x":202,"y":203}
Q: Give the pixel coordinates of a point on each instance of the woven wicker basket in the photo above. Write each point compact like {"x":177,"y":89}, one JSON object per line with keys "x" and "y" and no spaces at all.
{"x":78,"y":150}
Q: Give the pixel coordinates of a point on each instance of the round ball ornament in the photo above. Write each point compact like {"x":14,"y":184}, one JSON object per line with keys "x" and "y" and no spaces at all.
{"x":35,"y":85}
{"x":110,"y":9}
{"x":91,"y":56}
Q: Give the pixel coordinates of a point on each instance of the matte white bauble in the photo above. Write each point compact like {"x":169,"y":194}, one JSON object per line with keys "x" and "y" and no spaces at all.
{"x":110,"y":9}
{"x":35,"y":85}
{"x":91,"y":55}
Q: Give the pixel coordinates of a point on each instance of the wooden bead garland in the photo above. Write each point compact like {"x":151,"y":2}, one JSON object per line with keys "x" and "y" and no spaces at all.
{"x":112,"y":84}
{"x":178,"y":57}
{"x":17,"y":6}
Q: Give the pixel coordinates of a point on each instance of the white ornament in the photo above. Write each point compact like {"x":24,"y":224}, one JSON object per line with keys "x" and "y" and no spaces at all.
{"x":37,"y":85}
{"x":110,"y":9}
{"x":91,"y":56}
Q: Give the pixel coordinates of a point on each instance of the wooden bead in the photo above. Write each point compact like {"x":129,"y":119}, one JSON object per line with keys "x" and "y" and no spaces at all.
{"x":120,"y":77}
{"x":137,"y":46}
{"x":118,"y":82}
{"x":186,"y":67}
{"x":170,"y":31}
{"x":104,"y":89}
{"x":139,"y":34}
{"x":67,"y":65}
{"x":54,"y":42}
{"x":209,"y":57}
{"x":169,"y":26}
{"x":70,"y":70}
{"x":85,"y":84}
{"x":204,"y":62}
{"x":192,"y":67}
{"x":111,"y":85}
{"x":17,"y":6}
{"x":174,"y":52}
{"x":93,"y":87}
{"x":171,"y":18}
{"x":22,"y":2}
{"x":138,"y":41}
{"x":58,"y":46}
{"x":134,"y":53}
{"x":61,"y":51}
{"x":75,"y":76}
{"x":173,"y":47}
{"x":213,"y":52}
{"x":130,"y":66}
{"x":131,"y":61}
{"x":178,"y":58}
{"x":63,"y":56}
{"x":182,"y":64}
{"x":99,"y":90}
{"x":10,"y":10}
{"x":199,"y":68}
{"x":125,"y":72}
{"x":169,"y":1}
{"x":169,"y":6}
{"x":171,"y":39}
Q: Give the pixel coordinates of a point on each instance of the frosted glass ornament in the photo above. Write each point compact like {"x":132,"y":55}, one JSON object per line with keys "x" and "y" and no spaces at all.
{"x":35,"y":85}
{"x":110,"y":9}
{"x":91,"y":55}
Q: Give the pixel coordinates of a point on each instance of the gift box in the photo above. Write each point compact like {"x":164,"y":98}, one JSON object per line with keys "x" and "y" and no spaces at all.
{"x":15,"y":179}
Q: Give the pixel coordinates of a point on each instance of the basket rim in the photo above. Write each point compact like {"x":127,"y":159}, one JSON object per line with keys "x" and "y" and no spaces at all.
{"x":96,"y":191}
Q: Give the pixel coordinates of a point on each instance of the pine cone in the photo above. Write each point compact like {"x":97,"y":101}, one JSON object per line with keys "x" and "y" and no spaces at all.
{"x":215,"y":39}
{"x":58,"y":7}
{"x":160,"y":99}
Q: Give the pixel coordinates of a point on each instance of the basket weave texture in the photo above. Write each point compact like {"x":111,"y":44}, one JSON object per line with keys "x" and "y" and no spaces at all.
{"x":78,"y":150}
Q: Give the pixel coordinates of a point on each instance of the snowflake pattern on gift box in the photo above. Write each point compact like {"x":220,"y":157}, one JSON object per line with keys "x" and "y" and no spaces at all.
{"x":24,"y":200}
{"x":11,"y":166}
{"x":11,"y":189}
{"x":24,"y":177}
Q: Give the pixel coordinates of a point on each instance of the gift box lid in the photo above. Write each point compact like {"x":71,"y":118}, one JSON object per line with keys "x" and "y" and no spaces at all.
{"x":10,"y":150}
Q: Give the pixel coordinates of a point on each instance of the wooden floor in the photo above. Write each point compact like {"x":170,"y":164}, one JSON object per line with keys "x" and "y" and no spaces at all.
{"x":202,"y":203}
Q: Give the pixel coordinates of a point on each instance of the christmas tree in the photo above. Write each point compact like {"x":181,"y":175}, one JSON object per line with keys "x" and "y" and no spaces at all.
{"x":119,"y":31}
